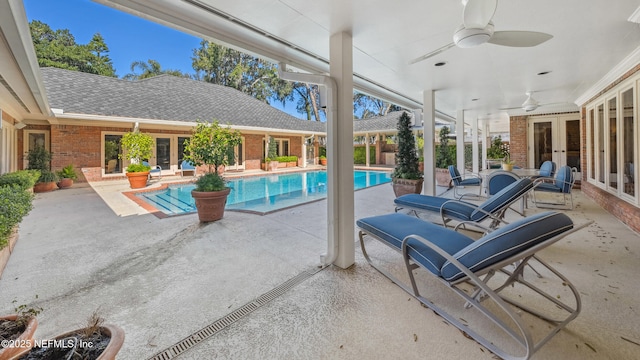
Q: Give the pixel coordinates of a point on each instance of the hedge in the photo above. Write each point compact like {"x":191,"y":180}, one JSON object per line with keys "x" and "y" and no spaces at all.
{"x":284,"y":159}
{"x":25,"y":179}
{"x":15,"y":203}
{"x":360,"y":154}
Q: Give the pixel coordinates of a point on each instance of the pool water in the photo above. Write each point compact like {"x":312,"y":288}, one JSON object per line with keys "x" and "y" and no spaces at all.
{"x":261,"y":194}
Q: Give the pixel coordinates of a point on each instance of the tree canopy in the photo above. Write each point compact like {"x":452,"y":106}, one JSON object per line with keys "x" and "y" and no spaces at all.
{"x":149,"y":69}
{"x":59,"y":49}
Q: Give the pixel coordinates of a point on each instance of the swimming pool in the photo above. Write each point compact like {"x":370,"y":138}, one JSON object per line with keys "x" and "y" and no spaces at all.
{"x":261,"y":194}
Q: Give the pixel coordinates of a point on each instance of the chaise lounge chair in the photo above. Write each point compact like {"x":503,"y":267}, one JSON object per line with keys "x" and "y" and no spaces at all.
{"x":466,"y":213}
{"x":483,"y":274}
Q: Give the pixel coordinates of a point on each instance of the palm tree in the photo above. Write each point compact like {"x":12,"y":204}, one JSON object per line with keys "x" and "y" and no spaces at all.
{"x":149,"y":69}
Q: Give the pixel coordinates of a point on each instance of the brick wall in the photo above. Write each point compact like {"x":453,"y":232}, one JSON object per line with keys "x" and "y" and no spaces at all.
{"x":518,"y":140}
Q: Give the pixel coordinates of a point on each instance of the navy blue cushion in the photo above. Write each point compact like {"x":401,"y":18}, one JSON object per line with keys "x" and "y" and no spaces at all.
{"x":455,"y":175}
{"x":507,"y":241}
{"x":424,"y":202}
{"x":393,"y":228}
{"x":498,"y":182}
{"x":470,"y":181}
{"x":548,"y":187}
{"x":564,"y":179}
{"x":504,"y":197}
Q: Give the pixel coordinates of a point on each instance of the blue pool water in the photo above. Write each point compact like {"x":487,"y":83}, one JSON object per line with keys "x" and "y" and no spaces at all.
{"x":261,"y":194}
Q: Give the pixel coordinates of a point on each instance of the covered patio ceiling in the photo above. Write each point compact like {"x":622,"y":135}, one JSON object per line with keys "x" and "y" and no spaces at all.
{"x":589,"y":40}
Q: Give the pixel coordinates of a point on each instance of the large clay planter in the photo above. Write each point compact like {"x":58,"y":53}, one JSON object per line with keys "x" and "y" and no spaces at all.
{"x":65,"y":183}
{"x":273,"y":165}
{"x":138,"y":180}
{"x":26,"y":338}
{"x":210,"y":204}
{"x":44,"y":187}
{"x":443,"y":177}
{"x":407,"y":186}
{"x":113,"y":347}
{"x":323,"y":162}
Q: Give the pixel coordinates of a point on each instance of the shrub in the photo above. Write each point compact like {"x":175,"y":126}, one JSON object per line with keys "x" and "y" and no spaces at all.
{"x":360,"y":154}
{"x":210,"y":181}
{"x":284,"y":159}
{"x":444,"y":154}
{"x":47,"y":176}
{"x":24,"y":179}
{"x":406,"y":158}
{"x":15,"y":203}
{"x":138,"y":168}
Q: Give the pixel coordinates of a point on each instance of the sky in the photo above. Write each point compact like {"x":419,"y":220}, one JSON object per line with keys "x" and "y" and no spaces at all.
{"x":128,"y":37}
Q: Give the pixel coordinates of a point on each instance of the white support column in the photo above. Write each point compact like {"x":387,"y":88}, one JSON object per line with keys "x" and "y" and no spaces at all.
{"x":485,"y":134}
{"x":429,"y":150}
{"x":340,"y":192}
{"x":460,"y":141}
{"x":366,"y":151}
{"x":304,"y":151}
{"x":474,"y":145}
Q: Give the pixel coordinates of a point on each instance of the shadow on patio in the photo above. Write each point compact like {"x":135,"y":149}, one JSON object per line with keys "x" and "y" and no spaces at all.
{"x":163,"y":280}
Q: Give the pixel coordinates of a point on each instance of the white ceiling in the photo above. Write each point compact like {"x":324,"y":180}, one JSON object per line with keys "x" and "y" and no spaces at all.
{"x":589,"y":39}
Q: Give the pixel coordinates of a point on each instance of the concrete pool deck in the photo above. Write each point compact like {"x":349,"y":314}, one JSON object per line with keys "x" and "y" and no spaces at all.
{"x":162,"y":280}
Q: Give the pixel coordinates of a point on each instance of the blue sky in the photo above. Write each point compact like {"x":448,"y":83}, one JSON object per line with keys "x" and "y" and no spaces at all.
{"x":129,"y":38}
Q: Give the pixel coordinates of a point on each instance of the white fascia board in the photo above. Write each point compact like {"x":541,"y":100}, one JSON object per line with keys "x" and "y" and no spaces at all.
{"x":184,"y":124}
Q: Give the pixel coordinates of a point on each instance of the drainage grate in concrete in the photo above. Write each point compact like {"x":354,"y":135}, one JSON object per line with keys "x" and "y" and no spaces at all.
{"x":202,"y":334}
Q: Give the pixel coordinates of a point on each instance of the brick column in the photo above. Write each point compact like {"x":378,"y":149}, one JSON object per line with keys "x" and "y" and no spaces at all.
{"x":518,"y":140}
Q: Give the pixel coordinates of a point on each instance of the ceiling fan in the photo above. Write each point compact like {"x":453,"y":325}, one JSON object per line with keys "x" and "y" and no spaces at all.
{"x":477,"y":29}
{"x":531,"y":104}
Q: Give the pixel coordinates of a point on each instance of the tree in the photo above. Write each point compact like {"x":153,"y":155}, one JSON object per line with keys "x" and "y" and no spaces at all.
{"x":59,"y":49}
{"x":369,"y":107}
{"x":443,"y":155}
{"x":308,"y":100}
{"x":227,"y":67}
{"x":149,"y":69}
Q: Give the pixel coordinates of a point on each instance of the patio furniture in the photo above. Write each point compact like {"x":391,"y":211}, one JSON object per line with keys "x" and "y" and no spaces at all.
{"x":187,"y":166}
{"x":562,"y":184}
{"x":459,"y":181}
{"x":500,"y":179}
{"x":156,"y":170}
{"x":467,"y":213}
{"x":111,"y":166}
{"x":483,"y":274}
{"x":547,"y":170}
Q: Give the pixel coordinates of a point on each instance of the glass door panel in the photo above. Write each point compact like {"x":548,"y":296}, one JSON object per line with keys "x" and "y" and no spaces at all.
{"x":628,"y":143}
{"x":163,"y":153}
{"x":592,"y":148}
{"x":600,"y":135}
{"x":572,"y":145}
{"x":542,"y":143}
{"x":112,"y":154}
{"x":612,"y":165}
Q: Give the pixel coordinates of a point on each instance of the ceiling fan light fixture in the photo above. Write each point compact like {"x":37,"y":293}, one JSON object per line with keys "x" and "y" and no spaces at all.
{"x":467,"y":38}
{"x":530,"y":104}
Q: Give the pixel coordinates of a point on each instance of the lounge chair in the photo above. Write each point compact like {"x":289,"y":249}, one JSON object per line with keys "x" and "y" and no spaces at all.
{"x":466,"y":213}
{"x":111,"y":166}
{"x":500,"y":179}
{"x":562,"y":184}
{"x":459,"y":181}
{"x":156,"y":170}
{"x":187,"y":166}
{"x":487,"y":265}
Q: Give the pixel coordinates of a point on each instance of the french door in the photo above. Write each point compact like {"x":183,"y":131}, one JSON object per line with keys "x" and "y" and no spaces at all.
{"x":555,"y":138}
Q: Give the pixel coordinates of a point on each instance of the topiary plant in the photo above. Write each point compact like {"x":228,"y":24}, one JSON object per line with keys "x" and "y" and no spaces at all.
{"x":407,"y":157}
{"x":443,"y":153}
{"x":137,"y":147}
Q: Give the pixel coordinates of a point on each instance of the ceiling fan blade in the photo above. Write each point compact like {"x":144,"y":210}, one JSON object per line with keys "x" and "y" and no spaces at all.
{"x":431,"y":54}
{"x":519,"y":38}
{"x":478,"y":13}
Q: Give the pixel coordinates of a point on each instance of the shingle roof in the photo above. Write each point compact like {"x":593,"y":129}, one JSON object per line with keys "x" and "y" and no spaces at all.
{"x":164,"y":97}
{"x":386,"y":123}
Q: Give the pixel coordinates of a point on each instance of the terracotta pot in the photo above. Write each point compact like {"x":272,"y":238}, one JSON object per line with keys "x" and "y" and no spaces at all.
{"x":113,"y":347}
{"x":443,"y":177}
{"x":273,"y":165}
{"x":210,"y":204}
{"x":407,"y":186}
{"x":421,"y":166}
{"x":323,"y":162}
{"x":44,"y":187}
{"x":65,"y":183}
{"x":138,"y":180}
{"x":26,"y":338}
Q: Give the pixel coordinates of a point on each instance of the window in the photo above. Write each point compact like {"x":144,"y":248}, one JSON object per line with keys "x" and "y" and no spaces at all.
{"x":628,"y":144}
{"x":600,"y":148}
{"x":592,"y":146}
{"x":612,"y":110}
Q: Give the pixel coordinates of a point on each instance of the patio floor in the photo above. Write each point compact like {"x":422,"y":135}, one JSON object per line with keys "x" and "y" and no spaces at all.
{"x":162,"y":280}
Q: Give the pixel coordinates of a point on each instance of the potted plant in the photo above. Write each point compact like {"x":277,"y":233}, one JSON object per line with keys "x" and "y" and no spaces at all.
{"x":444,"y":158}
{"x":137,"y":147}
{"x":323,"y":160}
{"x":66,"y":176}
{"x":406,"y":178}
{"x":496,"y":153}
{"x":40,"y":159}
{"x":209,"y":146}
{"x":507,"y":164}
{"x":95,"y":341}
{"x":18,"y":329}
{"x":271,"y":163}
